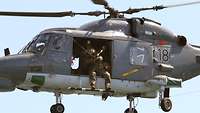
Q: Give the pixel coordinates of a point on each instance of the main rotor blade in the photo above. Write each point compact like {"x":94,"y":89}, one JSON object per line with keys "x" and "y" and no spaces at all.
{"x":51,"y":14}
{"x":156,"y":8}
{"x":183,"y":4}
{"x":92,"y":13}
{"x":37,"y":14}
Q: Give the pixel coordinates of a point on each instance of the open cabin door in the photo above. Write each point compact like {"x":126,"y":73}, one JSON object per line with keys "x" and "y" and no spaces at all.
{"x":132,"y":60}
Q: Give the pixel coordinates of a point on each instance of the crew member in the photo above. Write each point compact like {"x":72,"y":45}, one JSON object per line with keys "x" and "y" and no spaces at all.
{"x":101,"y":69}
{"x":89,"y":62}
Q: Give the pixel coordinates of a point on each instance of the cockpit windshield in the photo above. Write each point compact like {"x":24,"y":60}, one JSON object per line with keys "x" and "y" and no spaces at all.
{"x":37,"y":45}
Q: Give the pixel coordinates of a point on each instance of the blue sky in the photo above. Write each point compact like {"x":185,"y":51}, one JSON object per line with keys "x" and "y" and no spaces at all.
{"x":17,"y":31}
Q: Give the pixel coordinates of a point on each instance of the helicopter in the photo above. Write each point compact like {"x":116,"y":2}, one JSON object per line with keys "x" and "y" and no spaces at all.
{"x":149,"y":58}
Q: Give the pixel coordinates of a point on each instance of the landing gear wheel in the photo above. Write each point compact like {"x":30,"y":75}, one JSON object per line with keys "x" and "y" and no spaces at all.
{"x":166,"y":104}
{"x":57,"y":108}
{"x":132,"y":111}
{"x":52,"y":109}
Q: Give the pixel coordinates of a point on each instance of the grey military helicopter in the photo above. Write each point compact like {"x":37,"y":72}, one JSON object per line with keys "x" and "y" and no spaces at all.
{"x":143,"y":58}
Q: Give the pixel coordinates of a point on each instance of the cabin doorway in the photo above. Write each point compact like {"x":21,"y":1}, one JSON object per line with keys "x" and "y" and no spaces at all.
{"x":82,"y":56}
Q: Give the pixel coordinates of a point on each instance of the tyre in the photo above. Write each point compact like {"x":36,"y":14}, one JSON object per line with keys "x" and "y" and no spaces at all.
{"x":59,"y":108}
{"x":52,"y":109}
{"x":166,"y":104}
{"x":133,"y":111}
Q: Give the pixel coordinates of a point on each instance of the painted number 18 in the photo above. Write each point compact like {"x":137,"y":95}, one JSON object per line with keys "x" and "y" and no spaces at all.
{"x":161,"y":54}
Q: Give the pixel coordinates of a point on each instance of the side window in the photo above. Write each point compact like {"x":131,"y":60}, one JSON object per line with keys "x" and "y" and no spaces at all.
{"x":59,"y":42}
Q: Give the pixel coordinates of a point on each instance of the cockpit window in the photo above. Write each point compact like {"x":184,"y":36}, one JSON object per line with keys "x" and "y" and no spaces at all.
{"x":38,"y":44}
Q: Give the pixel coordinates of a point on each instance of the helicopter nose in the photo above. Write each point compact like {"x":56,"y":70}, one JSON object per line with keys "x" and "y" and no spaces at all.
{"x":6,"y":83}
{"x":12,"y":71}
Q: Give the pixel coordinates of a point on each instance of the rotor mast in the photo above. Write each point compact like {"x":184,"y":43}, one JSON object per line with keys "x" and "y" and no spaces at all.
{"x":113,"y":12}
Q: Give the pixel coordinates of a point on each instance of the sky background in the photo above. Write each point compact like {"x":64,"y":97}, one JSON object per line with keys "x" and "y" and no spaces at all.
{"x":16,"y":32}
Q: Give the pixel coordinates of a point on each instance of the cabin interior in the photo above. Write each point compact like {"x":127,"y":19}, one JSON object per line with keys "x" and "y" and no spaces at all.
{"x":80,"y":51}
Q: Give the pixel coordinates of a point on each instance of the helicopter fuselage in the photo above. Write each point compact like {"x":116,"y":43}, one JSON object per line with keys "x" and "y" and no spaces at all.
{"x":141,"y":55}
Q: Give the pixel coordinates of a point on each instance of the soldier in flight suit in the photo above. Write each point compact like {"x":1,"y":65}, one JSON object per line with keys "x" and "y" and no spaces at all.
{"x":88,"y":55}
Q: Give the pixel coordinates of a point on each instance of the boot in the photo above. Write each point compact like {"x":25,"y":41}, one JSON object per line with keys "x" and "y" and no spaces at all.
{"x":105,"y":96}
{"x":92,"y":87}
